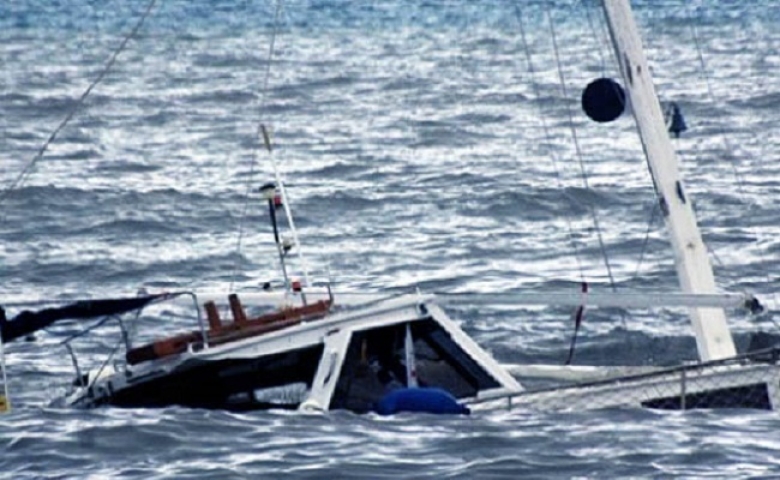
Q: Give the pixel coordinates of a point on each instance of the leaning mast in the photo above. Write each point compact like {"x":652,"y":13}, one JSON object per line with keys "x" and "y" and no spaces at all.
{"x":713,"y":337}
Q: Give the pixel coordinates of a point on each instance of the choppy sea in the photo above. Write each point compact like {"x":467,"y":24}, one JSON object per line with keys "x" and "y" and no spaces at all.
{"x":425,"y":144}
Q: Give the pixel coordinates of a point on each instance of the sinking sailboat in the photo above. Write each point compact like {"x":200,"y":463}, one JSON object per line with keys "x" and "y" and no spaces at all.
{"x":313,"y":349}
{"x":310,"y":350}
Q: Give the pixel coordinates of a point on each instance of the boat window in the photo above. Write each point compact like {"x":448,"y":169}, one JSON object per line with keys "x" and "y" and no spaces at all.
{"x":280,"y":380}
{"x":374,"y":365}
{"x":443,"y":363}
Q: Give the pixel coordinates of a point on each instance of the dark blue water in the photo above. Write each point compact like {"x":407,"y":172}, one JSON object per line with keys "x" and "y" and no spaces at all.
{"x":420,"y":150}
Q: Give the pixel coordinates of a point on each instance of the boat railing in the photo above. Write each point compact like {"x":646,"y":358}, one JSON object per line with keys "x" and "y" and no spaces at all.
{"x":219,"y":332}
{"x":126,"y":336}
{"x":674,"y":385}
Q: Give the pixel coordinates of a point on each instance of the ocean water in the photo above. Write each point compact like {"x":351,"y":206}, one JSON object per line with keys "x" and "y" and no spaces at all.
{"x":420,"y":150}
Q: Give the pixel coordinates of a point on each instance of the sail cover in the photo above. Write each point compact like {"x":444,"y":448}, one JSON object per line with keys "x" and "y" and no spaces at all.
{"x":28,"y":322}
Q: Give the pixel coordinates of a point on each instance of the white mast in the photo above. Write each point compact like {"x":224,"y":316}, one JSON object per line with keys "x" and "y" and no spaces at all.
{"x":694,"y":271}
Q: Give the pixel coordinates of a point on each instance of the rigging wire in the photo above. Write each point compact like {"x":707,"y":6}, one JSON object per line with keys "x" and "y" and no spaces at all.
{"x":578,"y":315}
{"x":547,"y":134}
{"x":646,"y":240}
{"x":596,"y":36}
{"x":17,"y":182}
{"x":578,"y":149}
{"x":656,"y":202}
{"x":255,"y":156}
{"x":602,"y":37}
{"x":727,"y":144}
{"x":654,"y":205}
{"x":606,"y":37}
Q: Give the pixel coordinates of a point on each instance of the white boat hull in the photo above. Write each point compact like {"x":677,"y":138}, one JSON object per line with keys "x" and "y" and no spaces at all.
{"x":346,"y":358}
{"x":729,"y":384}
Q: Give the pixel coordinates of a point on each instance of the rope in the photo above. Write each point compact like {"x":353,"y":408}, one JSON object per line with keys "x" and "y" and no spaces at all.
{"x":28,"y":168}
{"x":577,"y":148}
{"x":260,"y":126}
{"x":578,"y":315}
{"x":548,"y":136}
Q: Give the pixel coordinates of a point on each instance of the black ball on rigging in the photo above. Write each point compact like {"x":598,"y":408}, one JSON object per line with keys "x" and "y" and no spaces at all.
{"x":603,"y":100}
